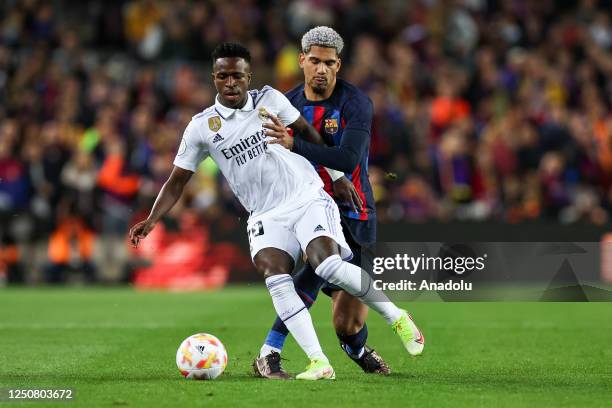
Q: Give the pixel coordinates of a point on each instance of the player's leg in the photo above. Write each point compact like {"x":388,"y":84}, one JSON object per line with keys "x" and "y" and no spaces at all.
{"x":349,"y":317}
{"x":276,"y":266}
{"x":324,"y":256}
{"x":307,"y":284}
{"x":274,"y":250}
{"x":349,"y":313}
{"x":320,"y":235}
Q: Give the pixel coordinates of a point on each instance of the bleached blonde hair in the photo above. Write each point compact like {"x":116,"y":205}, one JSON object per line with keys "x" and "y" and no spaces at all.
{"x":322,"y":36}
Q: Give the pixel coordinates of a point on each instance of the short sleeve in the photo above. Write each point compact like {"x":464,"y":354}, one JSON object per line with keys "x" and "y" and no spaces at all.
{"x":192,"y":149}
{"x":287,"y":113}
{"x":357,"y":113}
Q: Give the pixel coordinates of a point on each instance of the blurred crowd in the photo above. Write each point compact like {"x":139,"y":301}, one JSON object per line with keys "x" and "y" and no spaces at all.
{"x":484,"y":110}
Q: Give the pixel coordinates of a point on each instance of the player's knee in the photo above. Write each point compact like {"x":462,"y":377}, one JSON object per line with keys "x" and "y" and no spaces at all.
{"x":271,"y":262}
{"x":268,"y":268}
{"x":320,"y":249}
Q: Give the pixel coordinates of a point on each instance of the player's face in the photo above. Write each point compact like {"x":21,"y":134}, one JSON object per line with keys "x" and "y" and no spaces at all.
{"x":232,"y":77}
{"x":320,"y":65}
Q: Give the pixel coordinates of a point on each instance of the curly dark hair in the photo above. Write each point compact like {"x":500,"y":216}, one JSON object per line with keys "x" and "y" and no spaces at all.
{"x":231,"y":50}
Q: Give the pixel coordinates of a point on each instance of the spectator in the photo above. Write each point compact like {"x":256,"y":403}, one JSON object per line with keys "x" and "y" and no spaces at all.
{"x":482,"y":110}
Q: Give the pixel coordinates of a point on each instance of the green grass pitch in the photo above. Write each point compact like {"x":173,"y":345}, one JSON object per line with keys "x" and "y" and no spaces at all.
{"x":116,"y":347}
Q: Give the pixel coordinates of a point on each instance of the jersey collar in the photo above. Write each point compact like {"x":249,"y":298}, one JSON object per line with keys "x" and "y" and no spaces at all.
{"x":226,"y":112}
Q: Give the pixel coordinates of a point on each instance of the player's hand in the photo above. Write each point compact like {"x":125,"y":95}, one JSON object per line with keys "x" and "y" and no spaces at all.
{"x":345,"y":192}
{"x":140,"y":231}
{"x":278,"y":132}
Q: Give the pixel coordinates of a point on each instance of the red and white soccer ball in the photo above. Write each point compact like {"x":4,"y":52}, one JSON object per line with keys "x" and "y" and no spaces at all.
{"x":201,"y":357}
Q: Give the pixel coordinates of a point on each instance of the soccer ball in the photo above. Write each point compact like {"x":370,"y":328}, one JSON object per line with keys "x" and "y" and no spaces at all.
{"x":201,"y":357}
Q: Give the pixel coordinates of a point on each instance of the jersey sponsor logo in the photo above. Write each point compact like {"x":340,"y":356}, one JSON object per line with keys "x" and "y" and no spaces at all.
{"x":214,"y":123}
{"x":318,"y":228}
{"x":263,"y":114}
{"x":247,"y":148}
{"x":217,"y":138}
{"x":331,"y":126}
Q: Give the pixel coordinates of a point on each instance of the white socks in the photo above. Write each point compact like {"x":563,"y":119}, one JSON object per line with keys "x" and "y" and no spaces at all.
{"x":291,"y":310}
{"x":359,"y":284}
{"x":267,"y":349}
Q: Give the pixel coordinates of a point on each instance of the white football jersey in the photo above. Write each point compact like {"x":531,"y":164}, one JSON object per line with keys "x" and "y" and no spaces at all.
{"x":262,"y":176}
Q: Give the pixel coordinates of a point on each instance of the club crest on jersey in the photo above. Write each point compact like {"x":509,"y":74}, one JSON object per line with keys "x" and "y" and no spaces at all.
{"x":214,"y":123}
{"x":263,"y":114}
{"x":331,"y":126}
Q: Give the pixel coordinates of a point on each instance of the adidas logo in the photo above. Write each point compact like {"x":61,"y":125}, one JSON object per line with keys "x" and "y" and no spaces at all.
{"x":201,"y":348}
{"x":319,"y":228}
{"x":217,"y":138}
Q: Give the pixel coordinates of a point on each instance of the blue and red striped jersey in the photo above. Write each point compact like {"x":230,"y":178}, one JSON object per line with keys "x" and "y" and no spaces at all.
{"x":347,"y":108}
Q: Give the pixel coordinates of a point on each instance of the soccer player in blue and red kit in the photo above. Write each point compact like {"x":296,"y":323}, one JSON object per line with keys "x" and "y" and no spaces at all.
{"x":342,"y":114}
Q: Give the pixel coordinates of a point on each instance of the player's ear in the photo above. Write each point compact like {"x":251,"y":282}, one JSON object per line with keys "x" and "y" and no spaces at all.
{"x":249,"y":75}
{"x":301,"y":59}
{"x":339,"y":64}
{"x":214,"y":69}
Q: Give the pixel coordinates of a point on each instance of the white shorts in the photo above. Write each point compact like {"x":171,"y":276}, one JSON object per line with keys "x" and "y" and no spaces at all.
{"x":291,"y":229}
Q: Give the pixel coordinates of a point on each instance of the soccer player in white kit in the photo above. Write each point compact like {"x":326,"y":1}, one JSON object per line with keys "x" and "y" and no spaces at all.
{"x":289,"y":211}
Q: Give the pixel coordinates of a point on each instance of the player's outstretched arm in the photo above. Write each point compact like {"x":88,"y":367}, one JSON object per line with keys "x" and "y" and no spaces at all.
{"x":344,"y":190}
{"x":344,"y":157}
{"x":311,"y":145}
{"x":167,"y":197}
